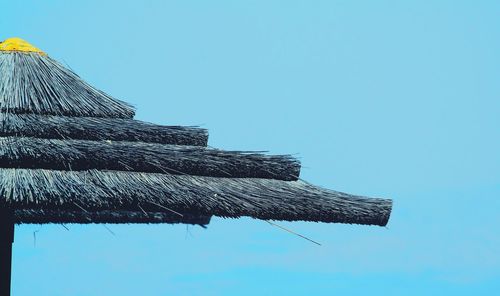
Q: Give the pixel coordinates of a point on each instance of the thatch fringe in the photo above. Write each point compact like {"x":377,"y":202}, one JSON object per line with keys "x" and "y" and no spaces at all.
{"x":94,"y":128}
{"x":35,"y":83}
{"x":42,"y":216}
{"x":80,"y":155}
{"x":225,"y":197}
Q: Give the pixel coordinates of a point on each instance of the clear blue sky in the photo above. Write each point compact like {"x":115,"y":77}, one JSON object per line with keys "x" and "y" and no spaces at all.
{"x":396,"y":99}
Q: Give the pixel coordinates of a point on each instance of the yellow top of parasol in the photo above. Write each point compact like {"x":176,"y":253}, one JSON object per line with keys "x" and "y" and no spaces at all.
{"x":18,"y":44}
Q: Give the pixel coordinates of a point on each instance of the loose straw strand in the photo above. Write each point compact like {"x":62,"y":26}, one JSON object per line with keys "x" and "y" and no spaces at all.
{"x":292,"y":232}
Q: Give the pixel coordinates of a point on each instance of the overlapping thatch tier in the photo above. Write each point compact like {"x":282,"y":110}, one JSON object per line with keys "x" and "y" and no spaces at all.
{"x":61,"y":216}
{"x":69,"y":153}
{"x":98,"y":128}
{"x":34,"y":83}
{"x":23,"y":152}
{"x":96,"y":190}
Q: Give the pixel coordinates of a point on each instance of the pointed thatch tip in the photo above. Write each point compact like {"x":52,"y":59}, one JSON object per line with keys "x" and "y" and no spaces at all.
{"x":18,"y":45}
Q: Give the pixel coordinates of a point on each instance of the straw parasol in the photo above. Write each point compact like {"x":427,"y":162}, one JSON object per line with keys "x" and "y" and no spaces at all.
{"x":70,"y":153}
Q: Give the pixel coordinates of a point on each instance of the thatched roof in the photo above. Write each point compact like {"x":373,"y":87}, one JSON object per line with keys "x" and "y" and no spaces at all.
{"x":70,"y":153}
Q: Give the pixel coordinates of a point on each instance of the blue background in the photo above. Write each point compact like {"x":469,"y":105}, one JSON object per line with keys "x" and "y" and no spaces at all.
{"x":395,"y":99}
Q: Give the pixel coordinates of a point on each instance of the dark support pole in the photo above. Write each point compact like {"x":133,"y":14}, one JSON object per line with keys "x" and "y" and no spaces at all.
{"x":6,"y":240}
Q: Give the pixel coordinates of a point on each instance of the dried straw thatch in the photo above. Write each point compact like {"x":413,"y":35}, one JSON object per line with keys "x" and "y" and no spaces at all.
{"x":42,"y":216}
{"x":70,"y":153}
{"x":98,"y":128}
{"x":95,"y":190}
{"x":24,"y":152}
{"x":35,"y":83}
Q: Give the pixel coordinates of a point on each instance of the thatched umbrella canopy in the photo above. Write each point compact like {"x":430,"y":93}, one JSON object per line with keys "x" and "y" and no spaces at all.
{"x":69,"y":153}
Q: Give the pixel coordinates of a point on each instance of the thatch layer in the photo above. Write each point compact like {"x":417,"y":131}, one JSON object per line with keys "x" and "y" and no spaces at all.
{"x":35,"y":83}
{"x":225,"y":197}
{"x":95,"y":128}
{"x":21,"y":152}
{"x":41,"y":216}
